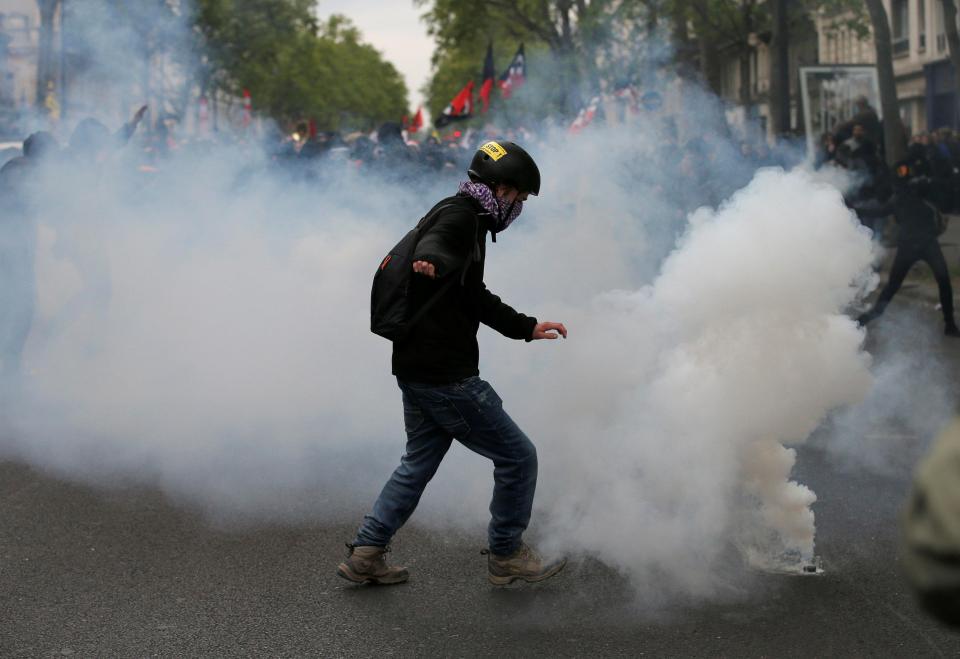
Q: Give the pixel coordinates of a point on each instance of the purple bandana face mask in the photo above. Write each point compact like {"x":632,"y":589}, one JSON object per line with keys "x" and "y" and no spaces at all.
{"x":493,"y":205}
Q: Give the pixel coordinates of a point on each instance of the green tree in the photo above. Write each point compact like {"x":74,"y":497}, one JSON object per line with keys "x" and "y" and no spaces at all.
{"x":242,"y":41}
{"x":293,"y":66}
{"x":561,"y":37}
{"x":337,"y":79}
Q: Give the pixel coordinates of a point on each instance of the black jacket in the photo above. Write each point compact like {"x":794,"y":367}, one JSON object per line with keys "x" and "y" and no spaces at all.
{"x":442,"y":346}
{"x":916,"y":218}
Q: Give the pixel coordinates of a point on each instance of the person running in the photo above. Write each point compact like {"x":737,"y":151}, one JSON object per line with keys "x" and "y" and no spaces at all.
{"x":918,"y":224}
{"x":436,"y":367}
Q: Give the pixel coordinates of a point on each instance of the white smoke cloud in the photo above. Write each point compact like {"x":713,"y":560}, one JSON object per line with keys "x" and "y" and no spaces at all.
{"x":670,"y":406}
{"x":204,"y":329}
{"x":213,"y":340}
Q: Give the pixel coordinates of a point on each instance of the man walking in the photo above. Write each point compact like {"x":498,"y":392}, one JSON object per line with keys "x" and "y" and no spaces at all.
{"x":436,"y":366}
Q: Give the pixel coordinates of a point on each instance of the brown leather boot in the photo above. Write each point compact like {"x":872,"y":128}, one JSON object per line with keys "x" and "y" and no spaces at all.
{"x":525,"y":563}
{"x":367,"y":565}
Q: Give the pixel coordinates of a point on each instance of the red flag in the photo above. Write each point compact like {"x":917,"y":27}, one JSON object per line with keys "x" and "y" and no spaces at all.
{"x":461,"y":107}
{"x":247,"y":108}
{"x":415,"y":124}
{"x":515,"y":75}
{"x":487,"y":77}
{"x":585,"y":117}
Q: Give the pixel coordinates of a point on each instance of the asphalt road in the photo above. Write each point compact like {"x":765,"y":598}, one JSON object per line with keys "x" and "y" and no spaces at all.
{"x":123,"y":572}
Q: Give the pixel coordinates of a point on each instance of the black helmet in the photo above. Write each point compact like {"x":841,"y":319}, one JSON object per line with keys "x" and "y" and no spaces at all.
{"x":506,"y":163}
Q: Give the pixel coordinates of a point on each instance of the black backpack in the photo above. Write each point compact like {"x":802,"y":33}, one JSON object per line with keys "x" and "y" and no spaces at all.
{"x":389,"y":305}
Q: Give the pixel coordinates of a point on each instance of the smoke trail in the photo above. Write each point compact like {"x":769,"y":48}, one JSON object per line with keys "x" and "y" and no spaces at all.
{"x":672,"y":403}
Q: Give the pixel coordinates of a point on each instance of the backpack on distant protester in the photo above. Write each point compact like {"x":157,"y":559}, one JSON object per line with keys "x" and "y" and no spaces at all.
{"x":390,"y":315}
{"x":939,"y":218}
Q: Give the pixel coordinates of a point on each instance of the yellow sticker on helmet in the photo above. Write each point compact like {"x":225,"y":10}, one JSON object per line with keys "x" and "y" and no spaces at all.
{"x":494,"y":150}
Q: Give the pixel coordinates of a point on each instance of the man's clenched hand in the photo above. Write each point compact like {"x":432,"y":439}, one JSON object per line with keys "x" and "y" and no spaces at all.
{"x":425,"y":268}
{"x":546,"y":331}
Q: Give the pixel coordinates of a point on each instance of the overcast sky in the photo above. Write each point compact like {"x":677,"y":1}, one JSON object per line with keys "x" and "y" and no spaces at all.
{"x":394,"y":28}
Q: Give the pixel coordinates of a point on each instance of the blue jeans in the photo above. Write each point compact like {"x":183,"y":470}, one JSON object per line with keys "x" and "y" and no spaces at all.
{"x":471,"y":412}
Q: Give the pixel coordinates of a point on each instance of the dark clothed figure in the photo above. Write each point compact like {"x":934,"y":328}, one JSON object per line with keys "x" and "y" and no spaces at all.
{"x":944,"y":172}
{"x":916,"y":241}
{"x":471,"y":412}
{"x":436,"y":364}
{"x":443,"y":397}
{"x":442,"y":348}
{"x":862,"y":155}
{"x":20,"y":181}
{"x":866,"y":117}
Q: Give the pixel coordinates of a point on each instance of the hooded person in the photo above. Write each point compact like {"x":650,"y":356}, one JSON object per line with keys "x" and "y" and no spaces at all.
{"x":22,"y":185}
{"x":919,"y":223}
{"x":437,"y":369}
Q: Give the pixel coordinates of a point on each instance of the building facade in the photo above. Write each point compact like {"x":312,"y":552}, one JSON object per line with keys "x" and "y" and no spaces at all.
{"x":803,"y":50}
{"x":19,"y":51}
{"x":921,"y":60}
{"x":924,"y":73}
{"x":102,"y":64}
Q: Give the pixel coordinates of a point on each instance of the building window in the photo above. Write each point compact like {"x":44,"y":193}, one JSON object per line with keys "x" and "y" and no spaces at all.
{"x":940,"y":23}
{"x":900,"y":16}
{"x":922,"y":25}
{"x":15,"y":22}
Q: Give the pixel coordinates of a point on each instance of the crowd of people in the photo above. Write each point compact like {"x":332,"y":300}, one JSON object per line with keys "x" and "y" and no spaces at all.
{"x":917,"y":192}
{"x":700,"y":170}
{"x":857,"y":145}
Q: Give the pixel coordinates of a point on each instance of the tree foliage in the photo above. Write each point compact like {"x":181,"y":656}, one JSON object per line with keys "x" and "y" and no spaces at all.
{"x":587,"y":45}
{"x":295,"y":66}
{"x":561,"y":38}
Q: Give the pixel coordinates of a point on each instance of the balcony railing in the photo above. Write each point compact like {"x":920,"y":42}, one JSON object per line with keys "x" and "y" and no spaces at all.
{"x":901,"y":46}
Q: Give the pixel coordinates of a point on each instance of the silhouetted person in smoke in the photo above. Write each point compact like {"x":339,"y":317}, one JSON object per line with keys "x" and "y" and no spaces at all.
{"x":862,"y":152}
{"x":92,"y":142}
{"x":436,"y":366}
{"x":91,"y":170}
{"x":21,"y":182}
{"x":918,"y":224}
{"x":867,"y":118}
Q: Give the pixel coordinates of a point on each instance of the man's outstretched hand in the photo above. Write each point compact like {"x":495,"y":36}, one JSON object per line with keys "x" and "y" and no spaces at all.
{"x":547,"y":331}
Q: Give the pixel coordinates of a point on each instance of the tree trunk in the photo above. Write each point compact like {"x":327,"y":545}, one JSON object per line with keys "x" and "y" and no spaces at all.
{"x":710,"y":64}
{"x":48,"y":9}
{"x":745,"y":96}
{"x":681,"y":36}
{"x":653,"y":17}
{"x":953,"y":39}
{"x":894,"y":137}
{"x":780,"y":69}
{"x":710,"y":69}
